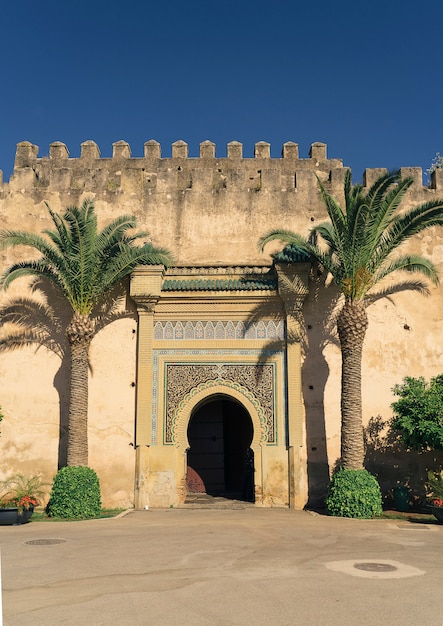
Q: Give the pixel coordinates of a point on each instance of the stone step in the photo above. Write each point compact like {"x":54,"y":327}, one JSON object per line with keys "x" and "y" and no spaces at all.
{"x":205,"y":501}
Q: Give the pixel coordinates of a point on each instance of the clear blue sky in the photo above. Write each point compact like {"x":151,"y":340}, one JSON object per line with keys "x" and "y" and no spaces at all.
{"x":364,"y":77}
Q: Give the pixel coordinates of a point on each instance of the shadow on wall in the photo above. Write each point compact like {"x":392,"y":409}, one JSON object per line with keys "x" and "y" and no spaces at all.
{"x":317,"y":322}
{"x":40,"y":321}
{"x":396,"y":466}
{"x":319,"y":329}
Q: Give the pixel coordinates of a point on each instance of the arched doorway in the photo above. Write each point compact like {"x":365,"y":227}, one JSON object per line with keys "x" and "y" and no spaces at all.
{"x":220,"y":433}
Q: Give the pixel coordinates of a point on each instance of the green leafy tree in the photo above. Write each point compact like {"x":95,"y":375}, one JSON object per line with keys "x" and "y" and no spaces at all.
{"x":84,"y":265}
{"x":359,"y":247}
{"x":418,"y":412}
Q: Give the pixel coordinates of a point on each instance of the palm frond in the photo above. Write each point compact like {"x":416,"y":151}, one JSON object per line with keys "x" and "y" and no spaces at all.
{"x":328,"y":234}
{"x":336,"y":215}
{"x":382,"y":215}
{"x":413,"y":222}
{"x":408,"y":263}
{"x":27,"y":268}
{"x":12,"y":238}
{"x":128,"y":259}
{"x":79,"y":260}
{"x":59,"y":236}
{"x":113,"y":232}
{"x":376,"y":194}
{"x":417,"y":285}
{"x":360,"y":241}
{"x":286,"y":236}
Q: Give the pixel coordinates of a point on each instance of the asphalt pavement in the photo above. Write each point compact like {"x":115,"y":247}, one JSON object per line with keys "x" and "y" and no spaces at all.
{"x":199,"y":567}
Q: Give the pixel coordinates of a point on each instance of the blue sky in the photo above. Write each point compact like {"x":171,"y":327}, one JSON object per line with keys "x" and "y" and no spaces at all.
{"x":364,"y":77}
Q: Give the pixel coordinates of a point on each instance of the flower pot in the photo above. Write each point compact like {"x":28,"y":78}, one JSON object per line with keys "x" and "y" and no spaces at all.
{"x":11,"y":517}
{"x":26,"y":515}
{"x":8,"y":516}
{"x":437,"y":512}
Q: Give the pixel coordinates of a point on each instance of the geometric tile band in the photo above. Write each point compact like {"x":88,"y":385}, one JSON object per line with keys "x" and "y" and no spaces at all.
{"x":255,"y":381}
{"x":204,"y":330}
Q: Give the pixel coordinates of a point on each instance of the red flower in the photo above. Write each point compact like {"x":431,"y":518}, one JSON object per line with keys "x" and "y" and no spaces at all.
{"x":23,"y":504}
{"x":437,"y":502}
{"x":26,"y":502}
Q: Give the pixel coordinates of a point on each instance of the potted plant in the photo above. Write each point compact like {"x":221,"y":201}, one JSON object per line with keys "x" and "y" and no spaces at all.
{"x":20,"y":494}
{"x":435,"y":489}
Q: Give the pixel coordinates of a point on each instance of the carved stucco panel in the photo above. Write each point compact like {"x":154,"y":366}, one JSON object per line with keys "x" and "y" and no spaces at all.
{"x":254,"y":381}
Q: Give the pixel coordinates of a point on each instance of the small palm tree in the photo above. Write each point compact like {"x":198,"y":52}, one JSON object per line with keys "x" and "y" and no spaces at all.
{"x":359,"y":247}
{"x":84,"y":265}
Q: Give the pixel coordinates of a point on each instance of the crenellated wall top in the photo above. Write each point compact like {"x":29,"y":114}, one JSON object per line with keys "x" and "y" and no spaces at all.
{"x":27,"y":152}
{"x":153,"y":173}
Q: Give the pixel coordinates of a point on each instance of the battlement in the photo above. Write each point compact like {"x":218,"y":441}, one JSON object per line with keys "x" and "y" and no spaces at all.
{"x":27,"y":152}
{"x":152,"y":173}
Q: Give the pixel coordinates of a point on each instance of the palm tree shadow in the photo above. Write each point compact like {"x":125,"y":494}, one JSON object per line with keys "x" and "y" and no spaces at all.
{"x":319,"y":318}
{"x":316,"y":322}
{"x":320,"y":311}
{"x":40,"y":322}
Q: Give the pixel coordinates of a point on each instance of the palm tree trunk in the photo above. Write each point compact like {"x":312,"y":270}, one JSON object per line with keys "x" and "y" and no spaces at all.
{"x":352,"y":323}
{"x":79,"y":333}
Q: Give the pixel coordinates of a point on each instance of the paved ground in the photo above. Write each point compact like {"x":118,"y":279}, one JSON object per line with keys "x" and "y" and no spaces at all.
{"x":222,"y":567}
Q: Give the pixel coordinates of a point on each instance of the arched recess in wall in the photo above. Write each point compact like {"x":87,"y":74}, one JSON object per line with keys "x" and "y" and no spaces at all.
{"x":210,"y":391}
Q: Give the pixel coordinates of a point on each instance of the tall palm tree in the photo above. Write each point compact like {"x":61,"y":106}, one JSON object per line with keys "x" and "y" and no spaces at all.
{"x":40,"y":321}
{"x":84,"y":264}
{"x":359,"y":247}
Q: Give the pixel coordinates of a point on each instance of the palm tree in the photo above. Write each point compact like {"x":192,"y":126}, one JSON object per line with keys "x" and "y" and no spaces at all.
{"x":359,"y":247}
{"x":40,"y":322}
{"x":84,"y":265}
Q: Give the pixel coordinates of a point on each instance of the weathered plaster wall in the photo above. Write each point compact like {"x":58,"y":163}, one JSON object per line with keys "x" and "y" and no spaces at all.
{"x":207,"y":210}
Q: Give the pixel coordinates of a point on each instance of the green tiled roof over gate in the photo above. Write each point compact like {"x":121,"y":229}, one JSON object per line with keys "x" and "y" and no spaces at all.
{"x":256,"y":284}
{"x":291,"y":254}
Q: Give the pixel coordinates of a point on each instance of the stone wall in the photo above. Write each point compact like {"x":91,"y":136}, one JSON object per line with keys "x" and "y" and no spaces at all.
{"x":208,"y":211}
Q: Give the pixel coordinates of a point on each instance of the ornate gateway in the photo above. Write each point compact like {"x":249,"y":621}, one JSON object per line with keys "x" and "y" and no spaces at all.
{"x":213,"y":368}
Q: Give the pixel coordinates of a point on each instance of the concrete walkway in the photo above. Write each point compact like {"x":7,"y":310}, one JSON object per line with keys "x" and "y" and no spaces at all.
{"x":222,"y":567}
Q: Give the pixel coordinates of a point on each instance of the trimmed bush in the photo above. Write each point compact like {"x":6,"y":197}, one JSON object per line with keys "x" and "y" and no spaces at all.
{"x":75,"y":494}
{"x":354,"y":493}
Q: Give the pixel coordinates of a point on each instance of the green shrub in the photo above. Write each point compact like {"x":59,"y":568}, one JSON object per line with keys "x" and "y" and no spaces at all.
{"x":418,"y":412}
{"x":75,"y":494}
{"x":354,"y":493}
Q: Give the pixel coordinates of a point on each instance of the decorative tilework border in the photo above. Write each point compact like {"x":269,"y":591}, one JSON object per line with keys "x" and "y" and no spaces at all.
{"x":213,"y":330}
